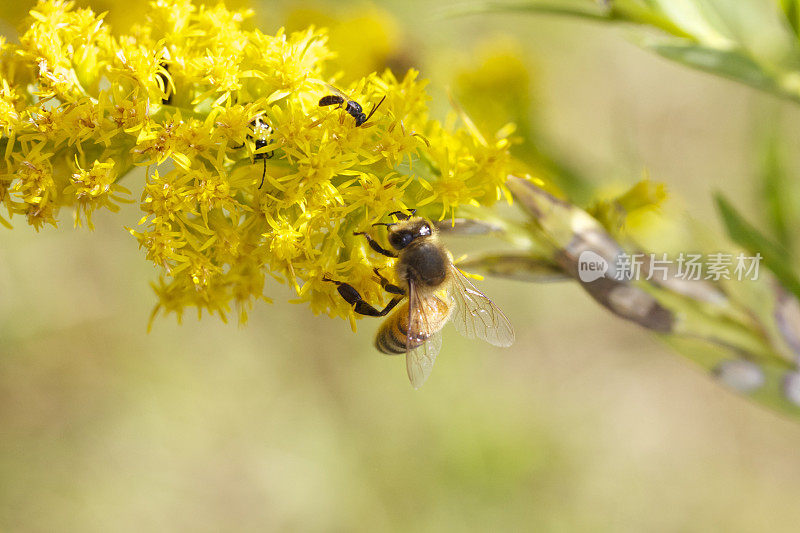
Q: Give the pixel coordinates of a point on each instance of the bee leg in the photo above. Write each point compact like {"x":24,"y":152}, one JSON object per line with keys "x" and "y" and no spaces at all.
{"x":387,"y":286}
{"x":361,"y":306}
{"x":375,"y":246}
{"x":263,"y":173}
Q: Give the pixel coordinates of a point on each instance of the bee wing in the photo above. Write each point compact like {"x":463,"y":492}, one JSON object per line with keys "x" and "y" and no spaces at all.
{"x":475,"y":315}
{"x":338,"y":91}
{"x":421,"y":347}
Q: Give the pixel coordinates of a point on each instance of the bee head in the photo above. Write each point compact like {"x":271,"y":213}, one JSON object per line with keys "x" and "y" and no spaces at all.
{"x":360,"y":119}
{"x":404,"y":232}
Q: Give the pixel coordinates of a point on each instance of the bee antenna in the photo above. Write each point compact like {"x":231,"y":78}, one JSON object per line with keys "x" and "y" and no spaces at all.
{"x":387,"y":224}
{"x":403,"y":216}
{"x":263,"y":174}
{"x":375,"y":108}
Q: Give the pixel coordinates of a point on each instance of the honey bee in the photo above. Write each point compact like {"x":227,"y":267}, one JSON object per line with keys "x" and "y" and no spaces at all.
{"x":433,"y":291}
{"x":351,"y":106}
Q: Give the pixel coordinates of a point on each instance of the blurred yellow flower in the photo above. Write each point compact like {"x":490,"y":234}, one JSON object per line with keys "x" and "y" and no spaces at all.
{"x":622,"y":212}
{"x":348,"y":31}
{"x":495,"y":87}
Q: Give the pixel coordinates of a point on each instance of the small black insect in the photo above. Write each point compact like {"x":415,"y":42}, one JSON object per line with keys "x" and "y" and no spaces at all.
{"x":351,"y":106}
{"x":262,"y":135}
{"x":165,"y":82}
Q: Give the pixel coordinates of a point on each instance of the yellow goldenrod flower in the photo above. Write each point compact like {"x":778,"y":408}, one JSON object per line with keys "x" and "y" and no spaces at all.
{"x":95,"y":188}
{"x":209,"y":107}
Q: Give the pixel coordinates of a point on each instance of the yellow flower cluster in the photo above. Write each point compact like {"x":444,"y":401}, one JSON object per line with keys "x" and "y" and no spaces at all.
{"x":208,"y":107}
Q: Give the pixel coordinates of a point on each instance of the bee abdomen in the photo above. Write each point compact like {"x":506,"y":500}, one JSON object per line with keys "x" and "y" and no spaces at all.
{"x":392,"y":337}
{"x":390,"y":340}
{"x":331,"y":100}
{"x":386,"y":342}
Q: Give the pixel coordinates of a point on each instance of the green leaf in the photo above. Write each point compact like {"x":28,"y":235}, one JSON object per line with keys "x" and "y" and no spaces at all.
{"x":634,"y":11}
{"x":731,"y":64}
{"x":748,"y":41}
{"x":777,"y":187}
{"x":571,"y":8}
{"x":776,"y":257}
{"x":693,"y":16}
{"x":517,"y":266}
{"x":791,"y":8}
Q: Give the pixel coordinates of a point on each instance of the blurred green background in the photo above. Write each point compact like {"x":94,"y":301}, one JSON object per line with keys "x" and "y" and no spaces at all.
{"x":293,"y":423}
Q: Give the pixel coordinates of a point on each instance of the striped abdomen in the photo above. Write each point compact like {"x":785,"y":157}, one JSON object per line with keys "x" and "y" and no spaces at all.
{"x":331,"y":99}
{"x":393,"y":333}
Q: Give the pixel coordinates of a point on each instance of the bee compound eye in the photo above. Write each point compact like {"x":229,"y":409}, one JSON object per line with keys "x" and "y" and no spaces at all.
{"x":400,"y":240}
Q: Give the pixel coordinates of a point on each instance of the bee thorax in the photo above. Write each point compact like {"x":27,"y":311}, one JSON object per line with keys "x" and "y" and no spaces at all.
{"x":425,"y":264}
{"x":354,"y":108}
